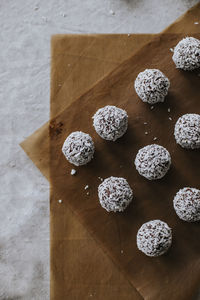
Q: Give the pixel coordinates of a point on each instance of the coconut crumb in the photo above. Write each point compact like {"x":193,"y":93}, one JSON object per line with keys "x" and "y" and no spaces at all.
{"x":152,"y":107}
{"x":155,"y":138}
{"x":145,"y":123}
{"x":86,"y":187}
{"x":129,"y":34}
{"x":88,"y":193}
{"x":44,"y":18}
{"x":112,"y":12}
{"x":196,"y":23}
{"x":146,"y":132}
{"x":60,"y":201}
{"x":122,"y":251}
{"x":171,"y":49}
{"x":169,"y":110}
{"x":73,"y":172}
{"x":170,"y":118}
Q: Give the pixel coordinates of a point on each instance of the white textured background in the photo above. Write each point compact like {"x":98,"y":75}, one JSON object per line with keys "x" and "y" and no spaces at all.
{"x":25,"y":30}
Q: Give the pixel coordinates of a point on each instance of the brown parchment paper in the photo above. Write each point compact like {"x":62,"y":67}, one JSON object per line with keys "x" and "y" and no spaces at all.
{"x":175,"y":275}
{"x":36,"y":146}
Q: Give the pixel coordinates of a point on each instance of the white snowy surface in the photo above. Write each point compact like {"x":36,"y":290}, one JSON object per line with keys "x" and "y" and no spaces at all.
{"x":25,"y":30}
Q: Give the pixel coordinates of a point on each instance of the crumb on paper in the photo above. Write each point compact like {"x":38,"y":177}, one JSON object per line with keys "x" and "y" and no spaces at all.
{"x":63,"y":15}
{"x":152,"y":107}
{"x":170,"y":118}
{"x":36,"y":7}
{"x":60,"y":201}
{"x":69,"y":65}
{"x":86,"y":187}
{"x":146,"y":132}
{"x":155,"y":138}
{"x":73,"y":172}
{"x":169,"y":110}
{"x":129,"y":34}
{"x":59,"y":84}
{"x":171,"y":49}
{"x":112,"y":12}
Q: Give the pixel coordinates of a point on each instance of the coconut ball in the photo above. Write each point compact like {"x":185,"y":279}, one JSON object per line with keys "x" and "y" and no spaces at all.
{"x":154,"y":238}
{"x":153,"y":161}
{"x":115,"y":194}
{"x":152,"y":86}
{"x":78,"y":148}
{"x":187,"y":204}
{"x":110,"y":122}
{"x":187,"y":54}
{"x":187,"y":131}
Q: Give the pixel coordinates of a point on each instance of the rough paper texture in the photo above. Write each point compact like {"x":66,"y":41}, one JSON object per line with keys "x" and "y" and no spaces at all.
{"x":116,"y":233}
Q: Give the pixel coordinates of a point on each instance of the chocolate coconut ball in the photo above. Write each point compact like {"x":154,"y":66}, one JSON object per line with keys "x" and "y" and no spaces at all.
{"x":154,"y":238}
{"x":187,"y":204}
{"x":152,"y":86}
{"x":78,"y":148}
{"x":187,"y":131}
{"x":153,"y":161}
{"x":187,"y":54}
{"x":115,"y":194}
{"x":110,"y":122}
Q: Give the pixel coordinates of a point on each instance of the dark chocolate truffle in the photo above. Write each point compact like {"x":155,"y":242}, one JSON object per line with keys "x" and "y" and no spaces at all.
{"x":187,"y":204}
{"x":115,"y":194}
{"x":78,"y":148}
{"x":154,"y":238}
{"x":187,"y":54}
{"x":152,"y":86}
{"x":153,"y":161}
{"x":110,"y":122}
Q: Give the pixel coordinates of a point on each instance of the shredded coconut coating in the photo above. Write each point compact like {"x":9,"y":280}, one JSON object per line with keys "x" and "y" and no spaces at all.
{"x":152,"y":86}
{"x":110,"y":122}
{"x":154,"y":238}
{"x":78,"y":148}
{"x":187,"y":131}
{"x":187,"y":204}
{"x":187,"y":54}
{"x":153,"y":161}
{"x":115,"y":194}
